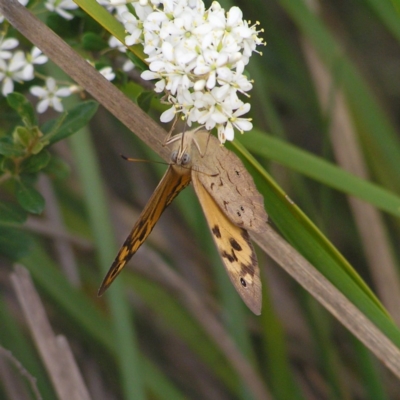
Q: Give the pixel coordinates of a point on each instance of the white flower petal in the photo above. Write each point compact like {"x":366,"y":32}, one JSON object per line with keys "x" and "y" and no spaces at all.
{"x":42,"y":106}
{"x":168,"y":115}
{"x":234,"y":16}
{"x":243,"y":124}
{"x":51,"y":83}
{"x":160,"y":86}
{"x":9,"y":44}
{"x":57,"y":105}
{"x":245,"y":108}
{"x":219,"y":118}
{"x":168,"y":51}
{"x":63,"y":92}
{"x":229,"y":132}
{"x":7,"y":87}
{"x":149,"y":75}
{"x":211,"y":80}
{"x":38,"y":91}
{"x":199,"y":85}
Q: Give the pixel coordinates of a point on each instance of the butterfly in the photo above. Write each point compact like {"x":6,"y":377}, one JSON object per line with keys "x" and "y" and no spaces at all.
{"x":230,"y":202}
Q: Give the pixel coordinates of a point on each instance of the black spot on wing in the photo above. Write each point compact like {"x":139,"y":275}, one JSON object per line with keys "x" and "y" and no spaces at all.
{"x":247,"y":269}
{"x":235,"y":244}
{"x":215,"y":230}
{"x":230,"y":257}
{"x":246,"y":237}
{"x":243,"y":282}
{"x":239,"y":212}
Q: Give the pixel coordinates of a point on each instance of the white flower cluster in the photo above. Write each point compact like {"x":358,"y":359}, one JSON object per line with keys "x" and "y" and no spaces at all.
{"x":16,"y":66}
{"x":198,"y":56}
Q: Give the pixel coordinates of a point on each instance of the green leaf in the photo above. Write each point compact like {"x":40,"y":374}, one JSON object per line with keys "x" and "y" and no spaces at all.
{"x":396,"y":5}
{"x":93,"y":42}
{"x":137,"y":61}
{"x":29,"y":198}
{"x":10,"y":149}
{"x":70,"y":122}
{"x":64,"y":28}
{"x":36,"y":162}
{"x":22,"y":136}
{"x":14,"y":244}
{"x":144,"y":100}
{"x":23,"y":107}
{"x":11,"y":213}
{"x":7,"y":164}
{"x":38,"y":147}
{"x":57,"y":168}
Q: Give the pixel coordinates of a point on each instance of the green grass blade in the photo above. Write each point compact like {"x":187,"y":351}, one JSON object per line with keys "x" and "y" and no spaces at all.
{"x":321,"y":170}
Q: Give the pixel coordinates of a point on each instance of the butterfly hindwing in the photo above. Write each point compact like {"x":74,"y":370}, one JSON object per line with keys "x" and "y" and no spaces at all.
{"x":172,"y":183}
{"x":235,"y":248}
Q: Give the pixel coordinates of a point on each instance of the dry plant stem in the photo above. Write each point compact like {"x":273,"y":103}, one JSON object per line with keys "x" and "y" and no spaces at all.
{"x":11,"y":382}
{"x":99,"y":388}
{"x":54,"y":350}
{"x":368,"y":220}
{"x":85,"y":75}
{"x":64,"y":252}
{"x":197,"y":307}
{"x":38,"y":225}
{"x":331,"y":298}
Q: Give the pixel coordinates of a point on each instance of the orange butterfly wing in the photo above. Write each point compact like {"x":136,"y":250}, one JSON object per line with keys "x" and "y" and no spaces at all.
{"x":173,"y":182}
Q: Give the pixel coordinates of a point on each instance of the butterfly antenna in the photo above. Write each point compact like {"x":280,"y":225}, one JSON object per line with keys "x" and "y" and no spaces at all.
{"x":142,"y":160}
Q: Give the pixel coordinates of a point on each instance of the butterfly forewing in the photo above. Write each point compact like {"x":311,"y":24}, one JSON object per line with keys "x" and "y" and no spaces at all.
{"x":234,"y":246}
{"x":175,"y":179}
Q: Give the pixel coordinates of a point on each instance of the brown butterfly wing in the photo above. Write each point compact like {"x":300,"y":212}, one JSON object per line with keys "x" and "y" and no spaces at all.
{"x":226,"y":179}
{"x":234,"y":247}
{"x":173,"y":181}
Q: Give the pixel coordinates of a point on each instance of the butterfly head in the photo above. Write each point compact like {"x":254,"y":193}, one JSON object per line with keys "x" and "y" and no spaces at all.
{"x":181,"y":157}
